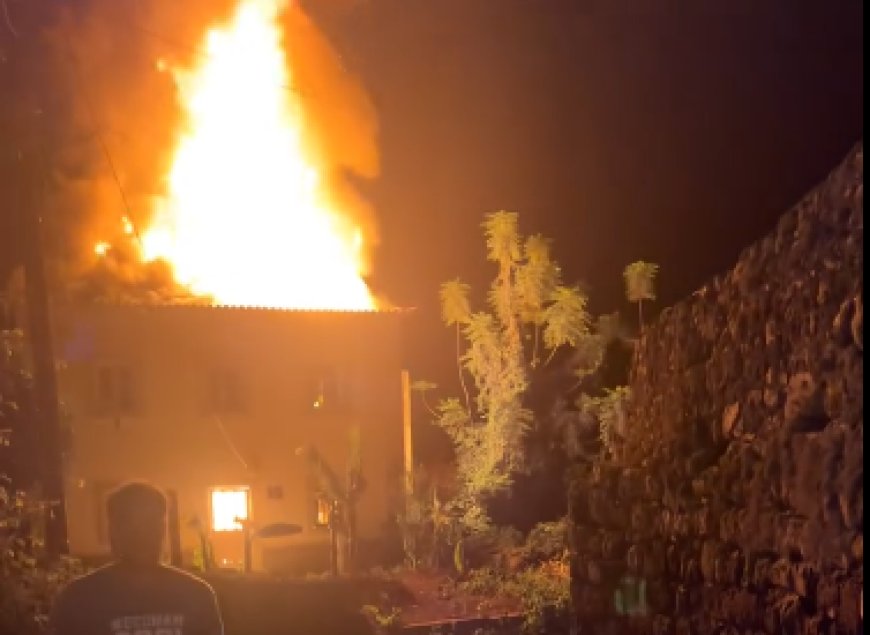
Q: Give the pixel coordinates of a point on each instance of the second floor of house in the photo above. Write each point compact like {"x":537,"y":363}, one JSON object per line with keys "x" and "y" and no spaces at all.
{"x":122,"y":364}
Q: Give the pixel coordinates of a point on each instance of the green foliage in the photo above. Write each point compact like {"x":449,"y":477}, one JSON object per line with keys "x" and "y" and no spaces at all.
{"x":542,"y":584}
{"x":609,"y":410}
{"x":639,"y":278}
{"x":427,"y":525}
{"x":492,"y":546}
{"x":536,"y":281}
{"x":639,"y":284}
{"x":384,"y":622}
{"x":527,"y":304}
{"x":530,"y":316}
{"x":28,"y":582}
{"x":455,"y":307}
{"x":588,"y":355}
{"x":501,"y":230}
{"x":548,"y":541}
{"x":544,"y":590}
{"x":566,"y":318}
{"x":487,"y":581}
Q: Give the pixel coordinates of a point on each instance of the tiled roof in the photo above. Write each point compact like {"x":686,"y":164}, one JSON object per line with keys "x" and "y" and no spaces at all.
{"x":234,"y":307}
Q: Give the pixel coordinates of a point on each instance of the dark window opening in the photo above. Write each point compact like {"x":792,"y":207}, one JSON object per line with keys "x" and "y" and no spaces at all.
{"x":115,"y":391}
{"x":225,"y":393}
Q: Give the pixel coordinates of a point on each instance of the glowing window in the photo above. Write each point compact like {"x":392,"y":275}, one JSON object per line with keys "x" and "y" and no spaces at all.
{"x":228,"y":507}
{"x":323,"y":511}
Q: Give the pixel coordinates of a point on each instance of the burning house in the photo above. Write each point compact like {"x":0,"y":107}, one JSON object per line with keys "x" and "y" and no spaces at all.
{"x":213,"y":404}
{"x":248,"y":208}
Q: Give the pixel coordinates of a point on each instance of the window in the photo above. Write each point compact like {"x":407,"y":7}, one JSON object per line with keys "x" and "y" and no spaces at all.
{"x":225,"y":392}
{"x":115,"y":390}
{"x":323,"y":512}
{"x":328,"y":391}
{"x":229,"y":506}
{"x":100,"y":492}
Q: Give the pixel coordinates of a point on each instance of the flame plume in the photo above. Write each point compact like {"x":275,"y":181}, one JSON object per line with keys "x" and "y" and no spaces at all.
{"x":246,"y":219}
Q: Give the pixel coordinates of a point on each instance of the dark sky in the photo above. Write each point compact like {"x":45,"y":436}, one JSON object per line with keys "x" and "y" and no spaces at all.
{"x":673,"y":131}
{"x":636,"y":131}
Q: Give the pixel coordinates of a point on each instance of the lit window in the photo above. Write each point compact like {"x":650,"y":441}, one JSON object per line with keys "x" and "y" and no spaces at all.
{"x":228,"y":508}
{"x":328,"y":390}
{"x":323,"y":512}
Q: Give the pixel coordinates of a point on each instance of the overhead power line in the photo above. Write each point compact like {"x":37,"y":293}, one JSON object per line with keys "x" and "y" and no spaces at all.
{"x":97,"y":131}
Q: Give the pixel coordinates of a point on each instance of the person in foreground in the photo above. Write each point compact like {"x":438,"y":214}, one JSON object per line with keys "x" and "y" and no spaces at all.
{"x":136,"y":594}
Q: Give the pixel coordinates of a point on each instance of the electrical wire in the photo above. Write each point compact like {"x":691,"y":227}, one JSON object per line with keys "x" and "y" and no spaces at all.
{"x":230,"y":443}
{"x":7,"y":19}
{"x":97,"y":132}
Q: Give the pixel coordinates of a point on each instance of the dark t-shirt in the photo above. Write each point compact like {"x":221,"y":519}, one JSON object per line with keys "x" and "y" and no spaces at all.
{"x":120,"y":600}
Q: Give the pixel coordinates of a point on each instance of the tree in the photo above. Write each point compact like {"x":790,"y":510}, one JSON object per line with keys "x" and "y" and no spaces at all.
{"x":29,"y":579}
{"x":639,"y":278}
{"x":531,"y":316}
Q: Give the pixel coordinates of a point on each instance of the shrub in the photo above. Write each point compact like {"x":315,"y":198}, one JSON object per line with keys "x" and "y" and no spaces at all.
{"x":28,"y":582}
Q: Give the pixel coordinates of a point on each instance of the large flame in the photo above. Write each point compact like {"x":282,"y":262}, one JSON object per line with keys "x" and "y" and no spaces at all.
{"x":246,"y":219}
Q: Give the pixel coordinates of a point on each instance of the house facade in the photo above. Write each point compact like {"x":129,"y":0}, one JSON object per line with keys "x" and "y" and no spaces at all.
{"x":213,"y":404}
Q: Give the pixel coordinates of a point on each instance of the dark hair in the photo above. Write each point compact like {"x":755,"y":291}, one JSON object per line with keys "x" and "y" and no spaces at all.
{"x":134,"y":495}
{"x":136,"y":513}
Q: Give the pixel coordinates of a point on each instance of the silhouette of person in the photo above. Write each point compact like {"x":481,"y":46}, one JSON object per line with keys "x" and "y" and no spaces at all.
{"x":136,"y":594}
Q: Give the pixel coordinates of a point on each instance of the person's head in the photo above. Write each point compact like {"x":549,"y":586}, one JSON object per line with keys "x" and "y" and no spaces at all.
{"x":136,"y":513}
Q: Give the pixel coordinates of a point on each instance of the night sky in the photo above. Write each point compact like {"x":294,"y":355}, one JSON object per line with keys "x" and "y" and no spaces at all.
{"x":672,"y":131}
{"x":672,"y":135}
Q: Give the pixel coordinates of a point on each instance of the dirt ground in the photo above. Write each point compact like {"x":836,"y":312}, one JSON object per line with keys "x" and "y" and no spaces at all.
{"x":433,"y":598}
{"x":259,"y":605}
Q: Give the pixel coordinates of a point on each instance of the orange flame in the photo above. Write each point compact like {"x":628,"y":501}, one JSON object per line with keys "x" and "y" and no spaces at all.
{"x":246,"y":219}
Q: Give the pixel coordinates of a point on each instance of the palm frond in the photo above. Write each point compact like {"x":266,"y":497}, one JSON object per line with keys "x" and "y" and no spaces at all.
{"x":567,"y":319}
{"x":455,"y":306}
{"x":639,"y":281}
{"x":502,"y":236}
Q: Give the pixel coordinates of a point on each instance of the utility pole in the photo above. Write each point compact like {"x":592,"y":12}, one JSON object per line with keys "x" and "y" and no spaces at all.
{"x":27,"y":69}
{"x":39,"y":329}
{"x":407,"y":435}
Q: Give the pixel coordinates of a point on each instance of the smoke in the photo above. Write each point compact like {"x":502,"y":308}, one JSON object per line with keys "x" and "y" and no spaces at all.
{"x":123,"y":120}
{"x":340,"y":117}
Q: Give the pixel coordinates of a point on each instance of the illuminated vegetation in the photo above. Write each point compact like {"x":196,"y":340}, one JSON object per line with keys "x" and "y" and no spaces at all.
{"x":532,"y":321}
{"x":28,"y":582}
{"x":531,"y":315}
{"x":639,"y":278}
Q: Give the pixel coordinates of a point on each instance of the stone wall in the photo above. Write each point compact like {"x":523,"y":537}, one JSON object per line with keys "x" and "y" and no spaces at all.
{"x":733,"y":502}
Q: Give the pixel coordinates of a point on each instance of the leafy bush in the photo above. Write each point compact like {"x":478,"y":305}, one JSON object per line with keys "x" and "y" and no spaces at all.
{"x":28,"y":582}
{"x":531,"y":315}
{"x":542,"y":583}
{"x":609,"y":410}
{"x":548,"y":541}
{"x":428,"y":525}
{"x":544,"y":590}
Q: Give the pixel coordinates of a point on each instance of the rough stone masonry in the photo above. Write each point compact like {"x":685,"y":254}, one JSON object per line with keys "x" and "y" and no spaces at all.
{"x":734,"y":501}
